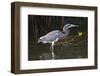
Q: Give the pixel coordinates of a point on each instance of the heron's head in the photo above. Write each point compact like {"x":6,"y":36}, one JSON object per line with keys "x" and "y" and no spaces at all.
{"x":68,"y":26}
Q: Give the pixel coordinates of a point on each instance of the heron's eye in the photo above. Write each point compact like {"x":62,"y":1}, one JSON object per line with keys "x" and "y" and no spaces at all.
{"x":68,"y":24}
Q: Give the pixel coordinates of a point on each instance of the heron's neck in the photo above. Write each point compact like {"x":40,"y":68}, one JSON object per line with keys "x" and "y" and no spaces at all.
{"x":66,"y":32}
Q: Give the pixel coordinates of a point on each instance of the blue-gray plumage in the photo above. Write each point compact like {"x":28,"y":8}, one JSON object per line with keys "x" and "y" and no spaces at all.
{"x":55,"y":36}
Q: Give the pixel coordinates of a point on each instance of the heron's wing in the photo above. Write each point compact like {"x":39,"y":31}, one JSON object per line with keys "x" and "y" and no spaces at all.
{"x":53,"y":35}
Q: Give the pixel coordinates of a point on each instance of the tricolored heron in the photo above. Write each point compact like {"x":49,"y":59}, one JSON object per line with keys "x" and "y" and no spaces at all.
{"x":55,"y":36}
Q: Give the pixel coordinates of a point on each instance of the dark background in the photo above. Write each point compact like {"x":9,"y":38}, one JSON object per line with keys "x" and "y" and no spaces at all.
{"x":76,"y":47}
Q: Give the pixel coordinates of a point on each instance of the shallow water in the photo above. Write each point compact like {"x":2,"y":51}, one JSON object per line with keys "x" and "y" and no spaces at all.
{"x":65,"y":51}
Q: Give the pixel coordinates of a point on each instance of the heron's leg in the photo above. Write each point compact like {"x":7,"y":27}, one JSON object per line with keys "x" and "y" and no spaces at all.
{"x":53,"y":43}
{"x":52,"y":50}
{"x":51,"y":47}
